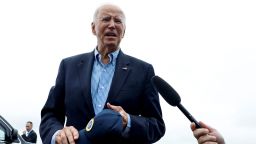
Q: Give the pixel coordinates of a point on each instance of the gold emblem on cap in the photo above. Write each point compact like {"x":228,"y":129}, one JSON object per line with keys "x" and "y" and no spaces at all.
{"x":89,"y":125}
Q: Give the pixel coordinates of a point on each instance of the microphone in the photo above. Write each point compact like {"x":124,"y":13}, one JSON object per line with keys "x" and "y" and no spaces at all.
{"x":171,"y":97}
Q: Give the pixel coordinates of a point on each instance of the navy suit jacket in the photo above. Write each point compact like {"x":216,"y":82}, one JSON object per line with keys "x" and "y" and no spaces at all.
{"x":32,"y":137}
{"x":131,"y":88}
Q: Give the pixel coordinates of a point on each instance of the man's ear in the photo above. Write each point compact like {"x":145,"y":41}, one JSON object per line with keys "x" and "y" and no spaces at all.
{"x":123,"y":34}
{"x":93,"y":28}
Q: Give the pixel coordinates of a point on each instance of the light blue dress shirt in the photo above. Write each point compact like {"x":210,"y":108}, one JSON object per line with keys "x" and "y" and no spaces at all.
{"x":102,"y":75}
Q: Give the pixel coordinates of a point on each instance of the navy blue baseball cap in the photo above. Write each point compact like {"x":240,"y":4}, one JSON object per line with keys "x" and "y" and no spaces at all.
{"x":83,"y":138}
{"x":104,"y":125}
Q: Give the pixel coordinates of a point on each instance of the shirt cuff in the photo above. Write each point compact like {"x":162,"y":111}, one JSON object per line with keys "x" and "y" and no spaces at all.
{"x":129,"y":121}
{"x":53,"y":137}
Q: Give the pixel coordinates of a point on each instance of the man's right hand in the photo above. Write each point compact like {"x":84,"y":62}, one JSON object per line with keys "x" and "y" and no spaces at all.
{"x":67,"y":135}
{"x":206,"y":134}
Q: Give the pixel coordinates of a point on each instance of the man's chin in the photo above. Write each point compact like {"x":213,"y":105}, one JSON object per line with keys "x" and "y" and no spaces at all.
{"x":111,"y":45}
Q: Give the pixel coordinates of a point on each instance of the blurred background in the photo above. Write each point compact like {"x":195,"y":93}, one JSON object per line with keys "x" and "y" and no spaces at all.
{"x":204,"y":49}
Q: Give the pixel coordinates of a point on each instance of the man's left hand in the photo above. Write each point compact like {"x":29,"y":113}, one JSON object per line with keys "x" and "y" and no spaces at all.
{"x":121,"y":111}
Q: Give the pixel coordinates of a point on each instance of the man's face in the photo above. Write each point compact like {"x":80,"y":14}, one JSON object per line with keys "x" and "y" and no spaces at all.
{"x":28,"y":126}
{"x":109,"y":27}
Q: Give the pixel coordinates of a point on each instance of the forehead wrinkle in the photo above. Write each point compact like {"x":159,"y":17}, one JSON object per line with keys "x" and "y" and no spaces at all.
{"x":109,"y":9}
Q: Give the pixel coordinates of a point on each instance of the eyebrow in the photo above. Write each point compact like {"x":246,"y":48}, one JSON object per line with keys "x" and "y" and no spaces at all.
{"x":102,"y":16}
{"x":121,"y":18}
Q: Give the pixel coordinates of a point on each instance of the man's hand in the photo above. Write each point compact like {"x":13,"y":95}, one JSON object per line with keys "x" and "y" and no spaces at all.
{"x":67,"y":135}
{"x":207,"y":134}
{"x":121,"y":111}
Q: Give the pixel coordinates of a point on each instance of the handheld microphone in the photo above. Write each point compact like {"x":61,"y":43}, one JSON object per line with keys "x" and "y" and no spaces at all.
{"x":171,"y":97}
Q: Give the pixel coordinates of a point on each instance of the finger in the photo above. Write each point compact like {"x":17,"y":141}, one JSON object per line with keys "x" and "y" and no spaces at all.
{"x":121,"y":112}
{"x":69,"y":135}
{"x":200,"y":132}
{"x":202,"y":124}
{"x":63,"y":137}
{"x":124,"y":118}
{"x":74,"y":132}
{"x":58,"y":139}
{"x":193,"y":126}
{"x":206,"y":139}
{"x":118,"y":109}
{"x":115,"y":108}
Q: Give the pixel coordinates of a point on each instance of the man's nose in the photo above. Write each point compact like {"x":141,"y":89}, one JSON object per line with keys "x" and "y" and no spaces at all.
{"x":111,"y":24}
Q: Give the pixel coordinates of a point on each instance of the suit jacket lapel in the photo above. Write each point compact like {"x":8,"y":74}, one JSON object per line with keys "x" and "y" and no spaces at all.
{"x":85,"y":66}
{"x":122,"y":71}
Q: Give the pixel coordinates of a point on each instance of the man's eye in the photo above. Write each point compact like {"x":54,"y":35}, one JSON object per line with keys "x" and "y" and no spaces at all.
{"x":106,"y":19}
{"x":118,"y":21}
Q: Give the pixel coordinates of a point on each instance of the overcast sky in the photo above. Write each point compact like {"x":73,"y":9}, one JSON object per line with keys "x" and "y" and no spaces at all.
{"x":204,"y":49}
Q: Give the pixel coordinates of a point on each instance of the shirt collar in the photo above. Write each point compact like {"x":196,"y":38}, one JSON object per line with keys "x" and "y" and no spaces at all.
{"x":29,"y":131}
{"x":112,"y":56}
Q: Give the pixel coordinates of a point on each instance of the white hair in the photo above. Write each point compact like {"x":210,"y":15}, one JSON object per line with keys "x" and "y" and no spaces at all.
{"x":108,"y":4}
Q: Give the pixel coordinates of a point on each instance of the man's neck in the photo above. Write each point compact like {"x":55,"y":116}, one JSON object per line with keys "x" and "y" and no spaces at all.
{"x":104,"y":51}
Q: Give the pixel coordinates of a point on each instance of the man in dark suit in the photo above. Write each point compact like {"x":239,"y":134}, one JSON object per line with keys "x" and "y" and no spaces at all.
{"x":29,"y":134}
{"x":105,"y":78}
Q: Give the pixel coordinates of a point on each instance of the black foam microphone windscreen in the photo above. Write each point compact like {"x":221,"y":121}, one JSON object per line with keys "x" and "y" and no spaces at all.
{"x":167,"y":92}
{"x":171,"y":96}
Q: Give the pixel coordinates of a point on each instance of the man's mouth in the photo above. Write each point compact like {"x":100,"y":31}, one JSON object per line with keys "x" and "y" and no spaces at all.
{"x":112,"y":34}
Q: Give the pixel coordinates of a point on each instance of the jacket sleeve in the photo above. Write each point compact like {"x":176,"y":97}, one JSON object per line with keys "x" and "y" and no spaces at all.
{"x":53,"y":112}
{"x":32,"y":137}
{"x":148,"y":127}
